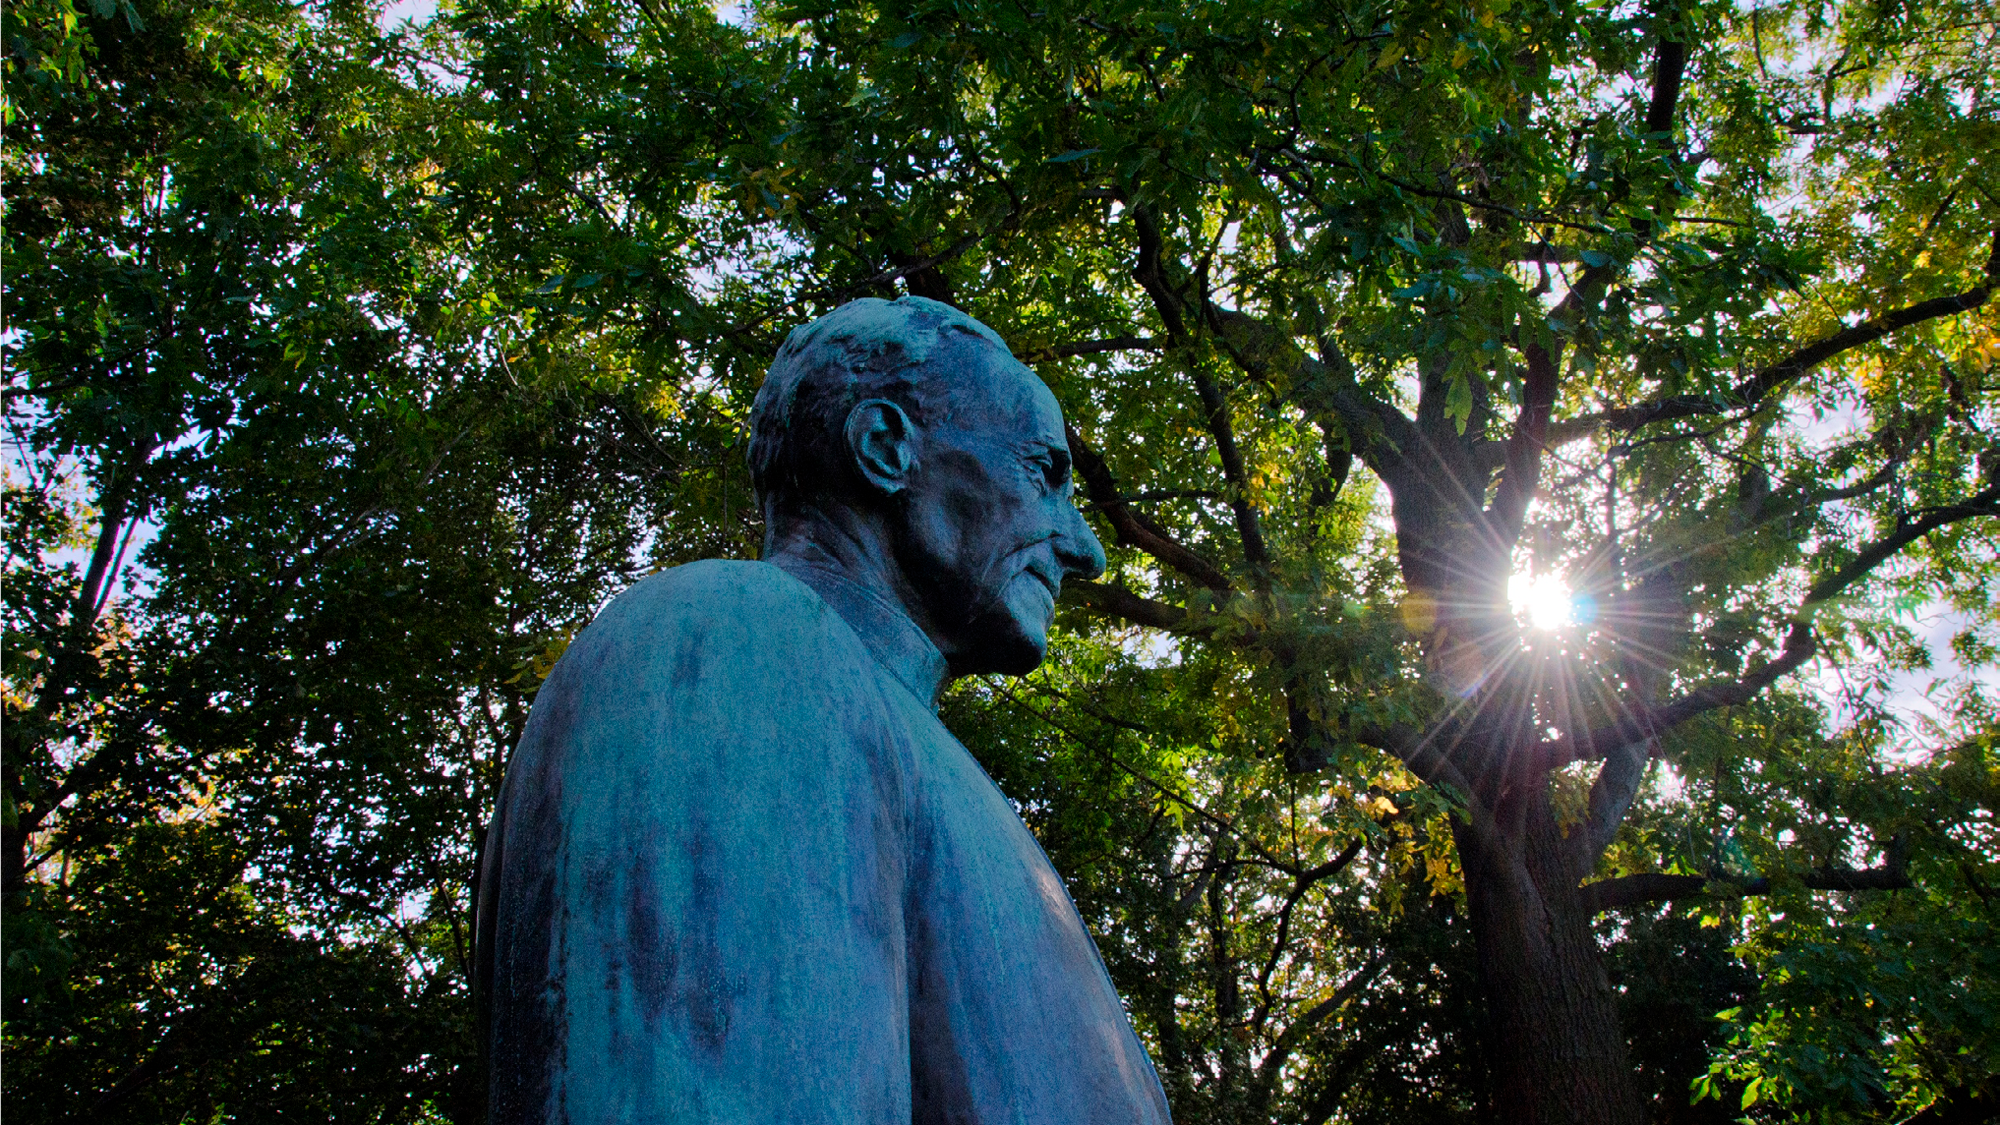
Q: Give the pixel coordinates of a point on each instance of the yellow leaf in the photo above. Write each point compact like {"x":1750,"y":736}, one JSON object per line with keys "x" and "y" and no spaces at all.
{"x":1419,"y":612}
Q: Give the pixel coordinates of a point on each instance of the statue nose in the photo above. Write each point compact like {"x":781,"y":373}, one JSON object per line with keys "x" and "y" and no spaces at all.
{"x":1077,"y":548}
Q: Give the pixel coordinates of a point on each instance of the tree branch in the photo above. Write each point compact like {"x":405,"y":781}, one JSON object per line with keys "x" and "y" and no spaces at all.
{"x":1669,"y":64}
{"x":905,"y":269}
{"x":1151,"y":273}
{"x":1637,"y":890}
{"x":1131,"y":528}
{"x":111,"y":525}
{"x":1649,"y":722}
{"x":1530,"y":438}
{"x":1288,"y":1042}
{"x":1216,"y":411}
{"x":1544,"y":354}
{"x":1090,"y":347}
{"x":1378,"y":433}
{"x":1610,"y":797}
{"x":1751,"y":393}
{"x":1117,"y":601}
{"x":1306,"y":881}
{"x":1984,"y":503}
{"x":1222,"y":824}
{"x":1423,"y":754}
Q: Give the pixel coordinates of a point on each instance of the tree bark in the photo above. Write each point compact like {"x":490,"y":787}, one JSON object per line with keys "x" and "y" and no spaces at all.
{"x":1558,"y":1053}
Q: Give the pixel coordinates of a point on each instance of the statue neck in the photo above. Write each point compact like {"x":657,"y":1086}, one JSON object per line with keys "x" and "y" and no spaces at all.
{"x":861,"y":582}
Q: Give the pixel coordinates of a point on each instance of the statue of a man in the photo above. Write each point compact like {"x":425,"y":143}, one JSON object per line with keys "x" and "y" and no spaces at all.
{"x":740,"y":872}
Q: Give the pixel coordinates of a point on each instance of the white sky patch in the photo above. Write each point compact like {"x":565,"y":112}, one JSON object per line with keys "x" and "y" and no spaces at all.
{"x":398,"y":12}
{"x":1154,"y":648}
{"x":1921,"y":700}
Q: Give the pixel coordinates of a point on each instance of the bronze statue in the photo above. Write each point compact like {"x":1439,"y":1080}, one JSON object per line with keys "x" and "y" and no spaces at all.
{"x":740,"y":872}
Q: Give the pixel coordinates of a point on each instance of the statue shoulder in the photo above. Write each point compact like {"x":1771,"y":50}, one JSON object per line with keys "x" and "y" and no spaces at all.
{"x":713,"y":610}
{"x":709,"y":587}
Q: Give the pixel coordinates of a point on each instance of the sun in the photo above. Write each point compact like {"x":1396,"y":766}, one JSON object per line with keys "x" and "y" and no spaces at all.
{"x":1544,"y":600}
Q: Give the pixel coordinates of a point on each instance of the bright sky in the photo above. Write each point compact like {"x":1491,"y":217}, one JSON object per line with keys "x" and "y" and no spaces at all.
{"x":399,"y":10}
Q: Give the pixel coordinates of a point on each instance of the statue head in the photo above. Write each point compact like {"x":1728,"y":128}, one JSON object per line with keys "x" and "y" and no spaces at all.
{"x":916,"y":418}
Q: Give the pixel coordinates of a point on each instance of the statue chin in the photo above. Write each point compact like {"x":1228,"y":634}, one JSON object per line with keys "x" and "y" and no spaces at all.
{"x":1004,"y":644}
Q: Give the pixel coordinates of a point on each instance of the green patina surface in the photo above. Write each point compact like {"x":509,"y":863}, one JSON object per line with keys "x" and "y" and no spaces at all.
{"x":741,"y":873}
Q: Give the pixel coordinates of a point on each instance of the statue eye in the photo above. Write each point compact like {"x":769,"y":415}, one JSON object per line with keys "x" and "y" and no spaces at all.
{"x":1054,"y":467}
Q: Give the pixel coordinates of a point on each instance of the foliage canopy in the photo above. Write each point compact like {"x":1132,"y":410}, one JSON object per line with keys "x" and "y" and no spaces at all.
{"x":349,"y":370}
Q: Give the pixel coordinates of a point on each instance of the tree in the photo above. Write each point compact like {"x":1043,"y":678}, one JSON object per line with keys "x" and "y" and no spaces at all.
{"x":288,"y":547}
{"x":414,"y":347}
{"x":1559,"y":278}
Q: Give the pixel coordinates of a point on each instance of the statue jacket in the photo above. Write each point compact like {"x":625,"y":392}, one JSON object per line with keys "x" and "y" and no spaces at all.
{"x":741,"y":873}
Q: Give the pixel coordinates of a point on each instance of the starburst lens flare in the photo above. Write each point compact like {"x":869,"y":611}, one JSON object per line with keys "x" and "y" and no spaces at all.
{"x":1545,"y":602}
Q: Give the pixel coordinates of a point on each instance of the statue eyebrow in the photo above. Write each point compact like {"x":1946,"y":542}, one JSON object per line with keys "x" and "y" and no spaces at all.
{"x":1058,"y":459}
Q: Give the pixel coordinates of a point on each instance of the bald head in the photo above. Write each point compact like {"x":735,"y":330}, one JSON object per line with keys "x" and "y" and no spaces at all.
{"x":901,"y":445}
{"x":865,"y":349}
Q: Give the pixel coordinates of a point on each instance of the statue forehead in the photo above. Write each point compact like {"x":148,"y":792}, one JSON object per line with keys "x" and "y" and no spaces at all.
{"x":991,"y":392}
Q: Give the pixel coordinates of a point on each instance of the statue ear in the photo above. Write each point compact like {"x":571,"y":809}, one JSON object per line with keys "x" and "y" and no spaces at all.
{"x":883,"y":442}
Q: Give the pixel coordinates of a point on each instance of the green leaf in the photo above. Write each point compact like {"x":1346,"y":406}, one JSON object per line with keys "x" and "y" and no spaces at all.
{"x":1458,"y":402}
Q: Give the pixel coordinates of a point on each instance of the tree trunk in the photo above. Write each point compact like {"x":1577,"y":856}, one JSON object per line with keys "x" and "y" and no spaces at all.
{"x":1559,"y":1055}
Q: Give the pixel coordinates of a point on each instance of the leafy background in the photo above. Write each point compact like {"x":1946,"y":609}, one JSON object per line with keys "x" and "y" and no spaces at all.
{"x":352,"y":364}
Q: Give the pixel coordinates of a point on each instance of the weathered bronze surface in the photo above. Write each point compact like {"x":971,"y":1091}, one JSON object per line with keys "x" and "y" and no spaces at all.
{"x":740,"y":872}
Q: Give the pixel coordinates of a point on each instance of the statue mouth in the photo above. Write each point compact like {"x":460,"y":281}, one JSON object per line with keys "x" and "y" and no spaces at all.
{"x":1053,"y":585}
